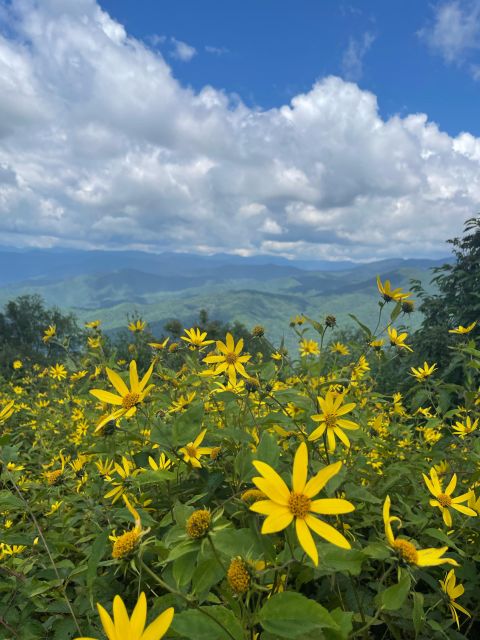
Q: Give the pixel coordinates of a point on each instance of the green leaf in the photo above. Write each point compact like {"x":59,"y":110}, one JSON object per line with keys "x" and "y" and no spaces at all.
{"x":98,"y":550}
{"x":362,"y":326}
{"x":344,"y":621}
{"x":237,"y":542}
{"x":268,"y":450}
{"x":183,"y":548}
{"x":418,"y":614}
{"x":291,"y":615}
{"x":208,"y":573}
{"x":9,"y":501}
{"x":152,"y":477}
{"x":394,"y":597}
{"x":188,"y":425}
{"x":377,"y":551}
{"x":344,"y":560}
{"x":183,"y":567}
{"x":358,"y":493}
{"x":207,"y":623}
{"x":396,"y":312}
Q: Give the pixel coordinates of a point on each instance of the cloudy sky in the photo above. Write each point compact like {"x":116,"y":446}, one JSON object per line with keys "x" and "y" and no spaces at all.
{"x":311,"y":129}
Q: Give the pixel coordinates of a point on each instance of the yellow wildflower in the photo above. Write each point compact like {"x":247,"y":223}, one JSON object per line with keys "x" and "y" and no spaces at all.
{"x":283,"y":505}
{"x":430,"y":557}
{"x":193,"y":451}
{"x":443,"y":499}
{"x":196,"y":338}
{"x":331,"y":419}
{"x":453,"y":591}
{"x":128,"y":398}
{"x":124,"y":628}
{"x":229,"y":360}
{"x":462,"y":330}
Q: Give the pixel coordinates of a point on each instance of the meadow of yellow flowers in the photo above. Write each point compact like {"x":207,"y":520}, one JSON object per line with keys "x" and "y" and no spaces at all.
{"x":237,"y":497}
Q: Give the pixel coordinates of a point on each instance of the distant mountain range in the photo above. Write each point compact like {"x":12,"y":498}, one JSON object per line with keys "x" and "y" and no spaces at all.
{"x":258,"y":289}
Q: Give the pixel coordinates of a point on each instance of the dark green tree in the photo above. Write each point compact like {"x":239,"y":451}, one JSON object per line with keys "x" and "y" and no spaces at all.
{"x":22,"y":325}
{"x":457,"y":301}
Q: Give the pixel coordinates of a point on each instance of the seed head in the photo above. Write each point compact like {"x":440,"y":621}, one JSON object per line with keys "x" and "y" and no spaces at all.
{"x":238,"y":576}
{"x":125,"y":544}
{"x":198,"y":523}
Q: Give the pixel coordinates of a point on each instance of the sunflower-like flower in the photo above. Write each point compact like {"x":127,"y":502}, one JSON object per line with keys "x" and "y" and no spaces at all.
{"x":124,"y":628}
{"x":422,"y":373}
{"x":283,"y":505}
{"x":196,"y":338}
{"x":398,"y":339}
{"x":49,"y":333}
{"x":339,"y":347}
{"x":193,"y":451}
{"x":137,"y":326}
{"x":463,"y":429}
{"x":127,"y":399}
{"x":331,"y":419}
{"x":430,"y":557}
{"x":308,"y":348}
{"x":388,"y":294}
{"x":124,"y":544}
{"x":58,"y":372}
{"x":229,"y":359}
{"x":163,"y":463}
{"x":453,"y":591}
{"x":460,"y":330}
{"x":443,"y":499}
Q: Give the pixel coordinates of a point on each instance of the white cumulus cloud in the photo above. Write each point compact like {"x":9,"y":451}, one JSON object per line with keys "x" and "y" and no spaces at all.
{"x":101,"y":146}
{"x":455,"y":31}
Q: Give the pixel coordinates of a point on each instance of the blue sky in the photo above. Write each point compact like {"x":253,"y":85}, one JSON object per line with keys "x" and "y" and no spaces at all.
{"x":269,"y":51}
{"x":309,"y":129}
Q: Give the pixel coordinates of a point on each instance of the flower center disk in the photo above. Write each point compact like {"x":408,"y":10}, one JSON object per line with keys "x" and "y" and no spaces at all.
{"x":130,"y":400}
{"x":331,"y":420}
{"x":299,"y":504}
{"x":406,"y":550}
{"x":444,"y":500}
{"x":231,"y":357}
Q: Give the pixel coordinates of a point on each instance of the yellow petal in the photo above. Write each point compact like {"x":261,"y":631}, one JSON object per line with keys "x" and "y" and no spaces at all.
{"x":265,"y":507}
{"x":432,"y":557}
{"x":278,"y":520}
{"x":342,"y":436}
{"x":117,"y":382}
{"x":465,"y":510}
{"x":159,"y":627}
{"x":139,"y":617}
{"x":318,"y":432}
{"x":106,"y":396}
{"x":331,"y":506}
{"x":272,"y":491}
{"x":107,"y":623}
{"x":272,"y":476}
{"x":327,"y":531}
{"x":146,"y":377}
{"x":347,"y":424}
{"x":120,"y":617}
{"x":300,"y":468}
{"x":239,"y":346}
{"x":316,"y":484}
{"x":451,"y":485}
{"x":306,"y":541}
{"x":331,"y":440}
{"x":134,"y":377}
